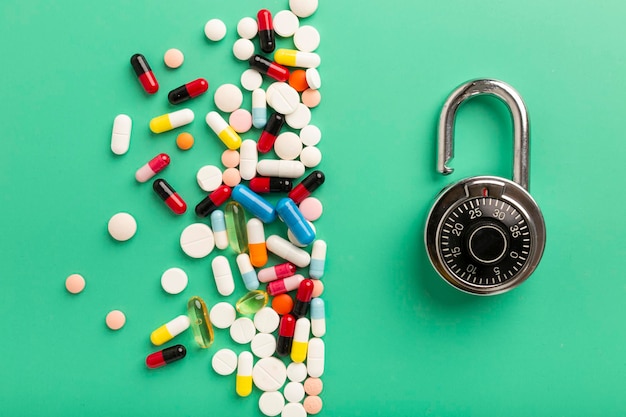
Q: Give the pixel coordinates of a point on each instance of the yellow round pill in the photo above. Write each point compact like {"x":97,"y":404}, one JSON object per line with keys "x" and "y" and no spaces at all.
{"x":184,"y":141}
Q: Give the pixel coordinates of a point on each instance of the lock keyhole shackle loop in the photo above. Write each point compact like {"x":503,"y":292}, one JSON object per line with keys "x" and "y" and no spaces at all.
{"x":516,"y":106}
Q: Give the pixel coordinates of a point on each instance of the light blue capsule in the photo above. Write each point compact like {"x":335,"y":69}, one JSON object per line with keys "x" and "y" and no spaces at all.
{"x":259,"y":108}
{"x":248,"y":274}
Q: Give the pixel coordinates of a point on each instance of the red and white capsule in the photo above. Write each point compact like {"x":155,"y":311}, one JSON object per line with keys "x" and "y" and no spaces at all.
{"x":153,"y":167}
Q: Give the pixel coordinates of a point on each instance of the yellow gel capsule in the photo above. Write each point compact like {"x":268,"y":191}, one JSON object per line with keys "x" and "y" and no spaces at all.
{"x":243,"y":383}
{"x":171,"y":121}
{"x":200,"y":322}
{"x":300,"y":340}
{"x":235,"y":219}
{"x":169,"y":330}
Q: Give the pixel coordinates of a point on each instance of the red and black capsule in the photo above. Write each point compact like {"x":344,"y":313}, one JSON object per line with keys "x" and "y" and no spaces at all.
{"x":213,"y":201}
{"x":286,"y":330}
{"x":267,"y":38}
{"x":269,"y":68}
{"x":307,"y":186}
{"x":169,"y":196}
{"x":303,"y":298}
{"x":270,"y":132}
{"x":166,"y":356}
{"x":144,"y":73}
{"x":188,"y":91}
{"x":270,"y":185}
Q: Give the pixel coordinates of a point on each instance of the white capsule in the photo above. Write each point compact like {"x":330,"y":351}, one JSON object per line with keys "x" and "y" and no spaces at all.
{"x":286,"y":250}
{"x":318,"y":259}
{"x":259,"y":108}
{"x":120,"y":137}
{"x":280,"y":168}
{"x":244,"y":367}
{"x":248,"y":159}
{"x":223,"y":275}
{"x":315,"y":357}
{"x":248,"y":274}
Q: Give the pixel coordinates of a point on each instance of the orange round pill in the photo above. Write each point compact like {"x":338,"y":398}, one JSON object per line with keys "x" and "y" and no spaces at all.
{"x":313,"y":386}
{"x":297,"y":80}
{"x":184,"y":141}
{"x":75,"y":283}
{"x":115,"y":320}
{"x":282,"y":304}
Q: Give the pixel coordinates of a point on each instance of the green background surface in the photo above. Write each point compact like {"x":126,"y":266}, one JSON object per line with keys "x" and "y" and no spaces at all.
{"x":400,"y":341}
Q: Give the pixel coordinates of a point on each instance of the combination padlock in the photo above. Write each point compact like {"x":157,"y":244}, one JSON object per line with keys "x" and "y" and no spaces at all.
{"x":485,"y":235}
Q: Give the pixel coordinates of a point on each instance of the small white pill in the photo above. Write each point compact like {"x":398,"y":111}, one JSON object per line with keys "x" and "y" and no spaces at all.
{"x":282,"y":97}
{"x":280,"y":168}
{"x":263,"y":345}
{"x":224,"y":362}
{"x":122,"y":226}
{"x":271,"y":403}
{"x":310,"y":135}
{"x":315,"y":357}
{"x":223,"y":275}
{"x":120,"y":137}
{"x":243,"y":49}
{"x":222,"y":315}
{"x":286,"y":250}
{"x":285,"y":23}
{"x":313,"y":78}
{"x":300,"y":117}
{"x":228,"y":98}
{"x":247,"y":28}
{"x":269,"y":374}
{"x":303,"y":8}
{"x":215,"y":30}
{"x":242,"y":330}
{"x":209,"y":178}
{"x":293,"y":410}
{"x":251,"y":79}
{"x":306,"y":38}
{"x":288,"y":146}
{"x":174,"y":280}
{"x":266,"y":320}
{"x":310,"y":156}
{"x":294,"y":392}
{"x":248,"y":159}
{"x":197,"y":240}
{"x":296,"y":372}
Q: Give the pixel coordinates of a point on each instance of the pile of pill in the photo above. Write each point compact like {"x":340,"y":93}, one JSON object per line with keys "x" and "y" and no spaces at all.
{"x":279,"y":320}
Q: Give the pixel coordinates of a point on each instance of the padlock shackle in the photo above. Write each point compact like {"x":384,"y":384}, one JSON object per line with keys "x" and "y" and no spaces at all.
{"x":516,"y":105}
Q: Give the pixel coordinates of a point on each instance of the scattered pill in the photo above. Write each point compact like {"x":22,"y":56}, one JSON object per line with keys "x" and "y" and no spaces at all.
{"x":269,"y":68}
{"x":173,"y":58}
{"x":266,"y":320}
{"x":75,"y":283}
{"x":236,"y":227}
{"x":312,"y":404}
{"x":275,"y":272}
{"x":293,"y":410}
{"x":296,"y":372}
{"x":231,"y":177}
{"x":188,"y":91}
{"x":248,"y":159}
{"x":243,"y":385}
{"x":311,"y":209}
{"x":282,"y":304}
{"x":224,"y":362}
{"x":287,"y":145}
{"x":242,"y":330}
{"x":286,"y":330}
{"x":254,"y":203}
{"x":280,"y":168}
{"x":297,"y":80}
{"x":223,"y":130}
{"x":286,"y":23}
{"x":292,"y":238}
{"x":247,"y":28}
{"x":303,"y":8}
{"x":311,"y":98}
{"x":223,"y":275}
{"x":270,"y":184}
{"x":166,"y":356}
{"x":174,"y":281}
{"x":269,"y":374}
{"x":313,"y":78}
{"x":215,"y":30}
{"x":266,"y":31}
{"x":211,"y":202}
{"x":184,"y":141}
{"x":222,"y":315}
{"x":120,"y":137}
{"x":122,"y":226}
{"x":169,"y":330}
{"x":271,"y":403}
{"x":289,"y":213}
{"x":240,"y":120}
{"x":197,"y":240}
{"x":311,"y":183}
{"x":230,"y":158}
{"x":310,"y":156}
{"x":243,"y":49}
{"x":251,"y":79}
{"x":199,"y":322}
{"x":256,"y":243}
{"x":318,"y":288}
{"x":218,"y":223}
{"x":310,"y":135}
{"x":287,"y":251}
{"x":252,"y":302}
{"x":300,"y":339}
{"x":169,"y":196}
{"x":295,"y":58}
{"x":303,"y":298}
{"x":313,"y":386}
{"x":315,"y":357}
{"x":209,"y":178}
{"x":144,"y":73}
{"x":318,"y":317}
{"x":263,"y":345}
{"x":306,"y":38}
{"x":169,"y":121}
{"x":284,"y":285}
{"x":115,"y":320}
{"x":270,"y":132}
{"x":153,"y":167}
{"x":282,"y":98}
{"x":294,"y":391}
{"x":259,"y":108}
{"x":318,"y":259}
{"x":248,"y":274}
{"x":228,"y":97}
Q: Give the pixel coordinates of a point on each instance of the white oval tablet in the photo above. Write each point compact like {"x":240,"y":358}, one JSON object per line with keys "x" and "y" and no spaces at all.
{"x":263,"y":345}
{"x":288,"y":146}
{"x":242,"y":330}
{"x":122,"y":226}
{"x":197,"y":240}
{"x":248,"y":159}
{"x":251,"y":79}
{"x":174,"y":281}
{"x":228,"y":98}
{"x":209,"y":178}
{"x":271,"y":403}
{"x":223,"y":275}
{"x":285,"y":23}
{"x":224,"y":362}
{"x":303,"y":8}
{"x":310,"y":135}
{"x":266,"y":320}
{"x":222,"y":315}
{"x":311,"y":156}
{"x":296,"y":372}
{"x":293,"y":410}
{"x":306,"y":38}
{"x":247,"y":28}
{"x":243,"y":49}
{"x":313,"y":78}
{"x":120,"y":137}
{"x":294,"y":392}
{"x":215,"y":30}
{"x":269,"y":374}
{"x":300,"y":117}
{"x":282,"y":97}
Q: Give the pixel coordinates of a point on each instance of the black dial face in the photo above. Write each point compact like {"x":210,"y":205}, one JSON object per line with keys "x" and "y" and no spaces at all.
{"x":484,"y":241}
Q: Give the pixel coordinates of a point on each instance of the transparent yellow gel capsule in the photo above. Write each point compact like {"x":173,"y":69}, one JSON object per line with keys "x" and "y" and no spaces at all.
{"x":236,"y":227}
{"x":200,"y":322}
{"x":252,"y":302}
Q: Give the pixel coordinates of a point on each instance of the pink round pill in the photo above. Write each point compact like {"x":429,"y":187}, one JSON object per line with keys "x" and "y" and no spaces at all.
{"x":230,"y":158}
{"x":231,"y":177}
{"x":75,"y":283}
{"x":311,"y":208}
{"x":311,"y":98}
{"x":115,"y":320}
{"x":173,"y":58}
{"x":240,"y":120}
{"x":318,"y":288}
{"x":312,"y":404}
{"x":313,"y":386}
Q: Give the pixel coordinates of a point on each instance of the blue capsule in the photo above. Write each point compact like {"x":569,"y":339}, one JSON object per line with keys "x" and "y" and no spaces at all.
{"x":295,"y":221}
{"x":254,"y":203}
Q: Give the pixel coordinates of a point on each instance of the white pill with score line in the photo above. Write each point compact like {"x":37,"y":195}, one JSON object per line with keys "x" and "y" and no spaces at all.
{"x":197,"y":240}
{"x":174,"y":281}
{"x":269,"y":374}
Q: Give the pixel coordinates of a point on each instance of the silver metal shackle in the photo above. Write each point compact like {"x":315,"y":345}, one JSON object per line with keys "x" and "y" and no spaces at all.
{"x":516,"y":106}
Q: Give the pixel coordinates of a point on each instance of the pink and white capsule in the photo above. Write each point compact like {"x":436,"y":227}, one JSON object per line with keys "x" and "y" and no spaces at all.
{"x":154,"y":166}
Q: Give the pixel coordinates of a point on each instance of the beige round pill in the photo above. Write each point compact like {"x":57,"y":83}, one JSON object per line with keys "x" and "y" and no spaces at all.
{"x":122,"y":226}
{"x":313,"y":386}
{"x":173,"y":58}
{"x":312,"y":404}
{"x":311,"y":98}
{"x":115,"y":320}
{"x":231,"y":177}
{"x":318,"y":288}
{"x":75,"y":283}
{"x":230,"y":158}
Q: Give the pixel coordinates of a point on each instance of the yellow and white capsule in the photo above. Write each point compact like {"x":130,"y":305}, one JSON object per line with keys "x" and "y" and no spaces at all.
{"x":294,"y":58}
{"x":223,"y":130}
{"x":243,"y":384}
{"x":170,"y":121}
{"x":170,"y":330}
{"x":300,"y":340}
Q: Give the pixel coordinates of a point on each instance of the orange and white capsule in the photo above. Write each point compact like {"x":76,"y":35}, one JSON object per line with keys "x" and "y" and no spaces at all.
{"x":256,"y":242}
{"x":223,"y":130}
{"x":300,"y":340}
{"x":243,"y":384}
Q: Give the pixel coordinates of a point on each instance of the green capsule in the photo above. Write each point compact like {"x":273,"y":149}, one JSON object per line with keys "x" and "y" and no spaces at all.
{"x":236,"y":227}
{"x":252,"y":302}
{"x":200,"y":323}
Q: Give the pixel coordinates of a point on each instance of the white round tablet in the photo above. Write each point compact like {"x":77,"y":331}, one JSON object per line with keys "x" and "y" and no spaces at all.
{"x":228,"y":97}
{"x":310,"y":135}
{"x":215,"y":30}
{"x":209,"y":178}
{"x":285,"y":23}
{"x":242,"y":330}
{"x":243,"y":49}
{"x":247,"y":28}
{"x":251,"y":79}
{"x":122,"y":226}
{"x":306,"y":38}
{"x":293,"y":239}
{"x":222,"y":315}
{"x":293,"y":410}
{"x":287,"y":146}
{"x":197,"y":240}
{"x":303,"y":8}
{"x":271,"y":403}
{"x":310,"y":156}
{"x":294,"y":392}
{"x":269,"y":374}
{"x":282,"y":97}
{"x":174,"y":280}
{"x":263,"y":345}
{"x":224,"y":362}
{"x":313,"y":78}
{"x":266,"y":320}
{"x":296,"y":371}
{"x":300,"y":117}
